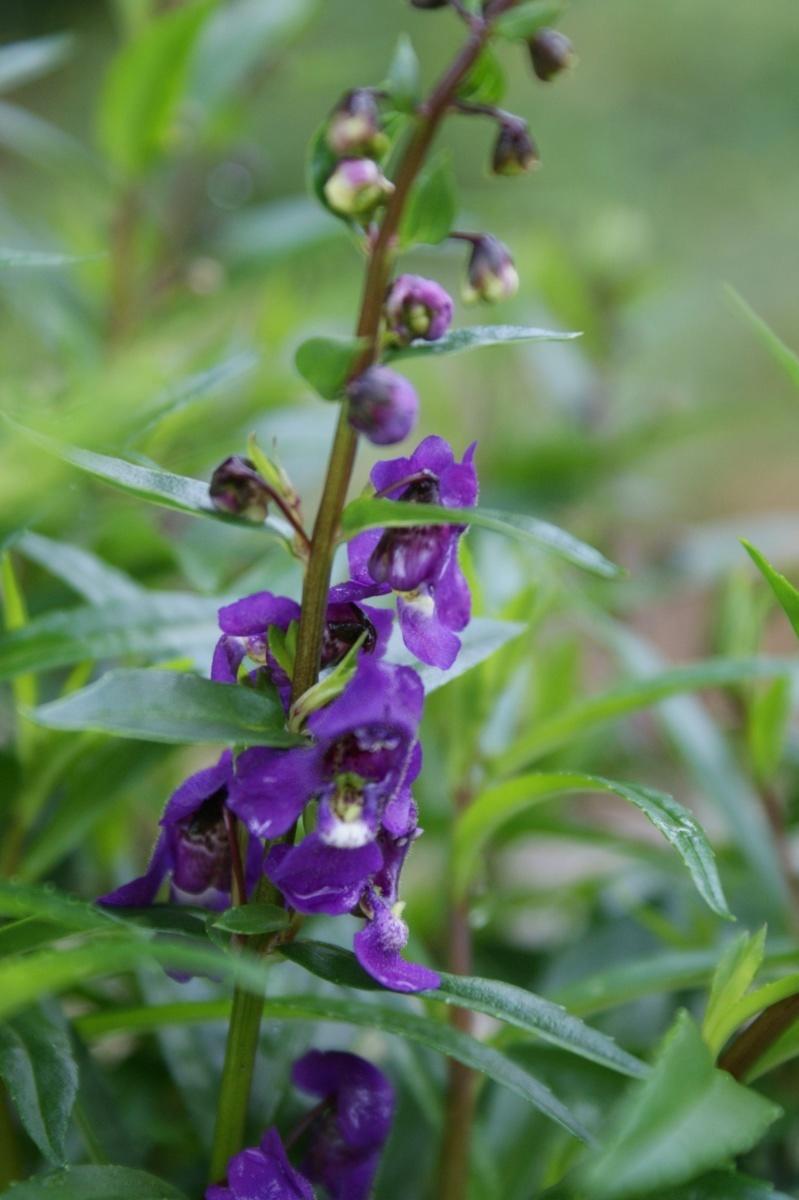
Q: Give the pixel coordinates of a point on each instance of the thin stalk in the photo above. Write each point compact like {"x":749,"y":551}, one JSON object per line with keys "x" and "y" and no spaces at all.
{"x":245,"y":1016}
{"x":121,"y":298}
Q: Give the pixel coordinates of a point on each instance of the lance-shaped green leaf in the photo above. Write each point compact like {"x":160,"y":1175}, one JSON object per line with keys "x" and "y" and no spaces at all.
{"x":157,"y":625}
{"x":368,"y":513}
{"x":144,"y":85}
{"x":782,"y":354}
{"x":39,"y":1072}
{"x":631,"y":696}
{"x":432,"y":205}
{"x":498,"y":804}
{"x":522,"y":21}
{"x":786,"y":594}
{"x":326,"y":363}
{"x":167,"y":706}
{"x":473,"y":337}
{"x":685,"y":1118}
{"x":94,"y":1183}
{"x":403,"y":79}
{"x":177,"y":492}
{"x":508,"y":1003}
{"x":252,"y":919}
{"x":725,"y":1185}
{"x":736,"y":970}
{"x":95,"y":580}
{"x":12,"y":257}
{"x":20,"y":62}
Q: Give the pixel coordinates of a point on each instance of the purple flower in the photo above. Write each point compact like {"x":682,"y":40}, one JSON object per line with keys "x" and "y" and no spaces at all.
{"x":262,"y":1173}
{"x":379,"y":945}
{"x":383,"y":405}
{"x":363,"y":750}
{"x":245,"y":626}
{"x":417,"y":308}
{"x":345,"y":1146}
{"x":420,"y":562}
{"x":356,"y":187}
{"x":193,"y":849}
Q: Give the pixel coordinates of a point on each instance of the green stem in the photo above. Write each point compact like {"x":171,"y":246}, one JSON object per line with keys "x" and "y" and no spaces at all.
{"x":245,"y":1016}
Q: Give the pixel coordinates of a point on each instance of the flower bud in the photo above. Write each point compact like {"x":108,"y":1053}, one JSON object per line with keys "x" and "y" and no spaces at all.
{"x":383,"y":405}
{"x":429,"y":3}
{"x":354,"y":126}
{"x":356,"y":187}
{"x":492,"y":273}
{"x":237,"y":488}
{"x":346,"y":623}
{"x":551,"y":52}
{"x":417,"y":308}
{"x":515,"y":152}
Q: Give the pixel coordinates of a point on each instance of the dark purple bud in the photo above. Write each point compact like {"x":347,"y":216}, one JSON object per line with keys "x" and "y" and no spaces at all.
{"x":417,"y":308}
{"x":429,"y":3}
{"x":345,"y":624}
{"x":238,"y":489}
{"x":492,"y":273}
{"x":354,"y":126}
{"x":515,"y":152}
{"x":356,"y":187}
{"x":551,"y":52}
{"x":383,"y":405}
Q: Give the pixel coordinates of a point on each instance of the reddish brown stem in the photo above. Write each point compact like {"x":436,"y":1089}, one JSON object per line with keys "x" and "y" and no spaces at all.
{"x":749,"y":1047}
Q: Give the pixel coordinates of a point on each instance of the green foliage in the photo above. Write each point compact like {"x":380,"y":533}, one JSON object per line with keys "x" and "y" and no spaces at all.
{"x":144,"y":86}
{"x":786,"y":594}
{"x":403,"y":79}
{"x":38,"y":1069}
{"x":493,"y":807}
{"x":432,"y":206}
{"x":523,"y":20}
{"x":682,"y":1120}
{"x":472,"y":337}
{"x":167,"y":706}
{"x":366,"y":513}
{"x":327,"y":363}
{"x":732,"y":978}
{"x":96,"y":1183}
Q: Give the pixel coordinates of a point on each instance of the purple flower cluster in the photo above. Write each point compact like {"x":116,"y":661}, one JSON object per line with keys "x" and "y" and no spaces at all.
{"x":343,"y":1136}
{"x":350,"y":782}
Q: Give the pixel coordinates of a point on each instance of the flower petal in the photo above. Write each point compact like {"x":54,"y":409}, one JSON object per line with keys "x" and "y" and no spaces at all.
{"x":143,"y":891}
{"x":271,"y":788}
{"x":254,"y":614}
{"x":378,"y":946}
{"x":315,"y":878}
{"x":425,"y":635}
{"x":198,"y":788}
{"x":363,"y":1095}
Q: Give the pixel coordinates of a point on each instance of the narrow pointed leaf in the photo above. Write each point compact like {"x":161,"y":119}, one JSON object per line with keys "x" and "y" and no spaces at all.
{"x":787,"y":358}
{"x":20,"y":62}
{"x":166,"y":706}
{"x":368,"y":513}
{"x":39,"y":1072}
{"x":503,"y":1001}
{"x":156,"y":626}
{"x":787,"y":595}
{"x":736,"y":970}
{"x":95,"y":580}
{"x":94,"y":1183}
{"x":685,"y":1118}
{"x":326,"y":363}
{"x":473,"y":337}
{"x":497,"y":804}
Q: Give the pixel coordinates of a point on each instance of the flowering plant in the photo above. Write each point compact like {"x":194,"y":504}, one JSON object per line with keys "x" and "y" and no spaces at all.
{"x":352,"y":698}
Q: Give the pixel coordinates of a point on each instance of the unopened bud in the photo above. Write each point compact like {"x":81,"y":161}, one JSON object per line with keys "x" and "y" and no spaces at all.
{"x":354,"y":126}
{"x":492,"y":274}
{"x":346,"y":624}
{"x":429,"y":3}
{"x":515,"y":152}
{"x":356,"y":187}
{"x":237,"y":488}
{"x":551,"y":52}
{"x":417,"y":308}
{"x":383,"y":405}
